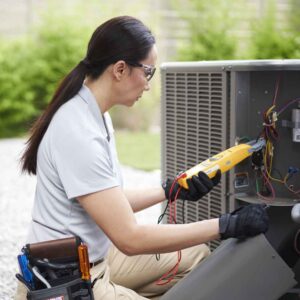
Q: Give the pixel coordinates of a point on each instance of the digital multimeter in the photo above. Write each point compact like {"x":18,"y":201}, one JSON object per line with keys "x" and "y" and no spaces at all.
{"x":223,"y":161}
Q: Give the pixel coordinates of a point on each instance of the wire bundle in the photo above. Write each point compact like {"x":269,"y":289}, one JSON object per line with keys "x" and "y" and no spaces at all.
{"x":270,"y":134}
{"x":169,"y":276}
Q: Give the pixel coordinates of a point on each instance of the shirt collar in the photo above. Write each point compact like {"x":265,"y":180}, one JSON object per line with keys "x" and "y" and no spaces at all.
{"x":87,"y":96}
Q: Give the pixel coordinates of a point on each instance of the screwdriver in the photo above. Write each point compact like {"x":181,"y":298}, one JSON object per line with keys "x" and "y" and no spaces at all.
{"x":84,"y":262}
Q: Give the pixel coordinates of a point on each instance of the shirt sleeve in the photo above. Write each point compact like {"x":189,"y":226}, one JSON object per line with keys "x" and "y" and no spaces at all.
{"x":84,"y":165}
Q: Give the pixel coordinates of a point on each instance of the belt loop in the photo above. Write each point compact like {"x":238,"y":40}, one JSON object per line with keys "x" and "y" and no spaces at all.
{"x":97,"y":262}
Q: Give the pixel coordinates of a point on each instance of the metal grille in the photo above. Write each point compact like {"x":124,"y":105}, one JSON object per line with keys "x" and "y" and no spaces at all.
{"x":194,"y":128}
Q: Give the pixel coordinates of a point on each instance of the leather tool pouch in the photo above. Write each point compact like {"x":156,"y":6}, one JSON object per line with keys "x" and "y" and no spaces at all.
{"x":55,"y":250}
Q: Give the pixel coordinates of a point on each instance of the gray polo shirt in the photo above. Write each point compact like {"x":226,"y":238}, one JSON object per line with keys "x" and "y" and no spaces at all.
{"x":77,"y":156}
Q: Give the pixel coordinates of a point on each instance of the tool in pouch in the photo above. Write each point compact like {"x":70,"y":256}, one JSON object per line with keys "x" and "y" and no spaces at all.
{"x":56,"y":269}
{"x":222,"y":161}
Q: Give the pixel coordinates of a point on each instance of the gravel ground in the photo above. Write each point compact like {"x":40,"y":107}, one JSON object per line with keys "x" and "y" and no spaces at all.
{"x":16,"y":198}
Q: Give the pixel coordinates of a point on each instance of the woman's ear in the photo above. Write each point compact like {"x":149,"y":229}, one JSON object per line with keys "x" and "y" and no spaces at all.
{"x":119,"y":69}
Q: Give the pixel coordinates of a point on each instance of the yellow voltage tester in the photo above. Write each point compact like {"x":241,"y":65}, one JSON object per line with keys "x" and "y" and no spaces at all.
{"x":223,"y":161}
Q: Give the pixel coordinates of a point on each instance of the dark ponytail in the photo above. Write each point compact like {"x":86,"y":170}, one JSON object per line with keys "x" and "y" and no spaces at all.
{"x":120,"y":38}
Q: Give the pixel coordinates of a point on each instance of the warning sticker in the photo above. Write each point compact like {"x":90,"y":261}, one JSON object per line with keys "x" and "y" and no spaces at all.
{"x":212,"y":169}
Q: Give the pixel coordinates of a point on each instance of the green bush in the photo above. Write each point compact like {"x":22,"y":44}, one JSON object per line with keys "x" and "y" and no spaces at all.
{"x":209,"y":26}
{"x":16,"y":101}
{"x":140,"y":150}
{"x":272,"y":39}
{"x":268,"y":41}
{"x":32,"y":67}
{"x":294,"y":16}
{"x":213,"y":30}
{"x":294,"y":25}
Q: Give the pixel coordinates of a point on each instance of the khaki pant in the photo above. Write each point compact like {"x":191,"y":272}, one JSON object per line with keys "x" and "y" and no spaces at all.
{"x":130,"y":278}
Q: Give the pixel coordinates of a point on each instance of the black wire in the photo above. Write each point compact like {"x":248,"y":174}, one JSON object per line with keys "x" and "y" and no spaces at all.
{"x":163,"y":214}
{"x":157,"y":256}
{"x":183,"y":212}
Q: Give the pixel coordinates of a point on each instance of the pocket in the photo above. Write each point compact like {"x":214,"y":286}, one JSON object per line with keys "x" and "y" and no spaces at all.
{"x":98,"y":272}
{"x":76,"y":289}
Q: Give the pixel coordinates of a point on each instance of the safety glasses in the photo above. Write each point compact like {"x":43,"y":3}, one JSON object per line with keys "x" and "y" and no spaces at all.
{"x":148,"y":70}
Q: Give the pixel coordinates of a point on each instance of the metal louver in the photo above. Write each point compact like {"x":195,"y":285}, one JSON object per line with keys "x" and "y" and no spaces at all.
{"x":193,"y":129}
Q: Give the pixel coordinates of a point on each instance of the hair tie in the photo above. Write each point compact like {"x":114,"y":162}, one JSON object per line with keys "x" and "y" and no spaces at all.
{"x":85,"y":63}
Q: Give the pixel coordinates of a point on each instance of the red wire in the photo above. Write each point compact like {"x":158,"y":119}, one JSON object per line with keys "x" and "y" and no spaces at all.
{"x":169,"y":276}
{"x":176,"y":196}
{"x":164,"y":278}
{"x":170,"y":212}
{"x":276,"y":89}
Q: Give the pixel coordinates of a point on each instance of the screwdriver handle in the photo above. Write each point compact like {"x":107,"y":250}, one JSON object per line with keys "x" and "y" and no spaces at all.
{"x":84,"y":262}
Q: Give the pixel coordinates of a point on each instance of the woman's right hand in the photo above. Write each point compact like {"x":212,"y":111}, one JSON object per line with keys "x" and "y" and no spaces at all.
{"x":244,"y":222}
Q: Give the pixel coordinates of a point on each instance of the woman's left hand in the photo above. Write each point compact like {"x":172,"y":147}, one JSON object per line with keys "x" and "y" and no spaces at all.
{"x":198,"y":186}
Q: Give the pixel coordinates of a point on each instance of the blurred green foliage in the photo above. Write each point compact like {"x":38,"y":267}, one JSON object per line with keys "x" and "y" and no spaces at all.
{"x":16,"y":104}
{"x":215,"y":30}
{"x":271,"y":39}
{"x":209,"y":24}
{"x":31,"y":68}
{"x":142,"y":114}
{"x":139,"y":149}
{"x":294,"y":24}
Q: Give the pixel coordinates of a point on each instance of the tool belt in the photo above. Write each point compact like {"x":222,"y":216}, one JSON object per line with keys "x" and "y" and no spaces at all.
{"x":57,"y":269}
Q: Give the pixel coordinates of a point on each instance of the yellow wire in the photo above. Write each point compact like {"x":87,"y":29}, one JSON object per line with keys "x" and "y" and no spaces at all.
{"x":269,"y":151}
{"x":285,"y":178}
{"x":269,"y":145}
{"x":270,"y":109}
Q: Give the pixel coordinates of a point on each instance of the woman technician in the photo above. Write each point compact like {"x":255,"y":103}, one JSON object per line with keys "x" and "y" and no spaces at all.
{"x":79,"y":185}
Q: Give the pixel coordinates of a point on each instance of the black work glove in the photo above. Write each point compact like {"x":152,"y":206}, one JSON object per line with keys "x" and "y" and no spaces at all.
{"x":199,"y":185}
{"x":244,"y":222}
